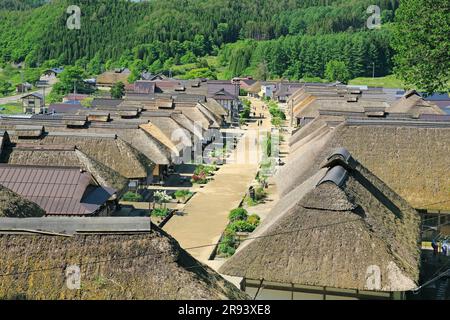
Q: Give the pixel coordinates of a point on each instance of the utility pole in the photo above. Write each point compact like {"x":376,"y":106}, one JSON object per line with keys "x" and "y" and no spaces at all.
{"x":373,"y":70}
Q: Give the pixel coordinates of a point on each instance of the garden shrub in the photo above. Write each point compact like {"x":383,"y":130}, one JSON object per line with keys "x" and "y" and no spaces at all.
{"x":160,"y":212}
{"x":238,"y":214}
{"x":132,"y":197}
{"x":241,"y":226}
{"x":254,"y":219}
{"x":182,"y":194}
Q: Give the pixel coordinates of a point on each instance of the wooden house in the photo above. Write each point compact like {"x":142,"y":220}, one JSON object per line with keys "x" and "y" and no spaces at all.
{"x":33,"y":103}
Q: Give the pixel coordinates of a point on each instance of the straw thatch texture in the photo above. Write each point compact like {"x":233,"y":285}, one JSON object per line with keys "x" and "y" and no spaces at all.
{"x":149,"y":266}
{"x":188,"y":124}
{"x":13,"y":205}
{"x":112,"y":152}
{"x":49,"y":157}
{"x":215,"y":107}
{"x":178,"y":136}
{"x":411,"y":160}
{"x":362,"y":223}
{"x":153,"y":149}
{"x":196,"y":116}
{"x":412,"y":103}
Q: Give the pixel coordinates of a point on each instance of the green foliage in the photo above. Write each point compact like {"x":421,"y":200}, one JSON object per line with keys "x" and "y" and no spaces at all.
{"x":254,"y":220}
{"x":227,"y":246}
{"x":160,"y":212}
{"x":5,"y":88}
{"x":238,"y":214}
{"x":337,"y":71}
{"x":387,"y":82}
{"x":421,"y":39}
{"x":205,"y":169}
{"x":118,"y":90}
{"x":118,"y":32}
{"x":132,"y":197}
{"x":70,"y":79}
{"x":241,"y":226}
{"x":304,"y":56}
{"x":182,"y":194}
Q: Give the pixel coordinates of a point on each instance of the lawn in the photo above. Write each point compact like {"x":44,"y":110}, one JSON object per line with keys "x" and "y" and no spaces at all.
{"x":11,"y":108}
{"x":387,"y":82}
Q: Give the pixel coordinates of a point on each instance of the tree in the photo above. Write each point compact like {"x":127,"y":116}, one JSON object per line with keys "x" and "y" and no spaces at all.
{"x":118,"y":90}
{"x":337,"y":71}
{"x":5,"y":87}
{"x":421,"y":32}
{"x":262,"y":72}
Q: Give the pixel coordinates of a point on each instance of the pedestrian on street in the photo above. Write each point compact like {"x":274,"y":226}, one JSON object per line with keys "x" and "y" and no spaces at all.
{"x":435,"y":247}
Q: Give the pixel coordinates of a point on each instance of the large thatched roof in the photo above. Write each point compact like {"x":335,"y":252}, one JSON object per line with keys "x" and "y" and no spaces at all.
{"x":108,"y":149}
{"x":330,"y":229}
{"x":52,"y":156}
{"x":215,"y":107}
{"x":170,"y":133}
{"x":412,"y":103}
{"x":410,"y":156}
{"x":126,"y":265}
{"x":13,"y":205}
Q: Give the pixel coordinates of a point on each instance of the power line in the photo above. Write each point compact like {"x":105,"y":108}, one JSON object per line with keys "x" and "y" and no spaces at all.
{"x":186,"y":249}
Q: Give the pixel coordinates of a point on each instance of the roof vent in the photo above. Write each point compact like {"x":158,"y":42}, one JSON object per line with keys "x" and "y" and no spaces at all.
{"x":337,"y":175}
{"x":341,"y":157}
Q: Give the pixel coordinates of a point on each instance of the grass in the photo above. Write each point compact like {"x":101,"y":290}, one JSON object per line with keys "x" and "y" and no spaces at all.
{"x":387,"y":82}
{"x":11,"y":108}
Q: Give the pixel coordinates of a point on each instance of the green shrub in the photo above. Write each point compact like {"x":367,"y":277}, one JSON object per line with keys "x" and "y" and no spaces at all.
{"x":227,"y":246}
{"x":182,"y":194}
{"x":132,"y":197}
{"x":160,"y":212}
{"x":238,"y":214}
{"x":226,"y":250}
{"x":205,"y":169}
{"x":241,"y":226}
{"x":254,"y":219}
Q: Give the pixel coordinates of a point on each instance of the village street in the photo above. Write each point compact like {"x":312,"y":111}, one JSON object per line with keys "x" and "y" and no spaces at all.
{"x":206,"y":214}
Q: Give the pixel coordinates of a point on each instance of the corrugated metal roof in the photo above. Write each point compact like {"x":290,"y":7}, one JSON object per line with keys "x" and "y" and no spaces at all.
{"x":57,"y":190}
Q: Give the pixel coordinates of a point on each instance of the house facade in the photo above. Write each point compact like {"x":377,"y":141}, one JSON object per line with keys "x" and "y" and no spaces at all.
{"x":33,"y":104}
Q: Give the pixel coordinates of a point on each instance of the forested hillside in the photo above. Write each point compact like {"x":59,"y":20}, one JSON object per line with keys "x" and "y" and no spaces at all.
{"x":289,"y":38}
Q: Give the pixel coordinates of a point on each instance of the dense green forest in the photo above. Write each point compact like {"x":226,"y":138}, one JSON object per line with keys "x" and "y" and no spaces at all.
{"x":158,"y":34}
{"x":291,"y":39}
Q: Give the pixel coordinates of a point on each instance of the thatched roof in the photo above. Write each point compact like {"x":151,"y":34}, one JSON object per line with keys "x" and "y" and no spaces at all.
{"x":215,"y":107}
{"x":214,"y":120}
{"x":188,"y":124}
{"x":169,"y":132}
{"x":109,"y":78}
{"x":254,"y":88}
{"x":109,"y":150}
{"x":139,"y":266}
{"x":311,"y":105}
{"x":409,"y":156}
{"x":64,"y":156}
{"x":198,"y":117}
{"x":339,"y":222}
{"x":414,"y":104}
{"x":13,"y":205}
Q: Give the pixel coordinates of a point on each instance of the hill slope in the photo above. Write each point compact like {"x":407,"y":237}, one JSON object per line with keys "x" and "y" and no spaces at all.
{"x":119,"y":32}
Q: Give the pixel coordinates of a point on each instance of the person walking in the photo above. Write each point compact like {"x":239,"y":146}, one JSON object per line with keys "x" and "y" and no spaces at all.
{"x":435,"y":247}
{"x":445,"y":248}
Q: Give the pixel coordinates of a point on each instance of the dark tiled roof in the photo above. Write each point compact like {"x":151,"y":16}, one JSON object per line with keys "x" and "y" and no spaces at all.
{"x":147,"y":87}
{"x":64,"y":107}
{"x":215,"y":86}
{"x":59,"y":191}
{"x":100,"y":102}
